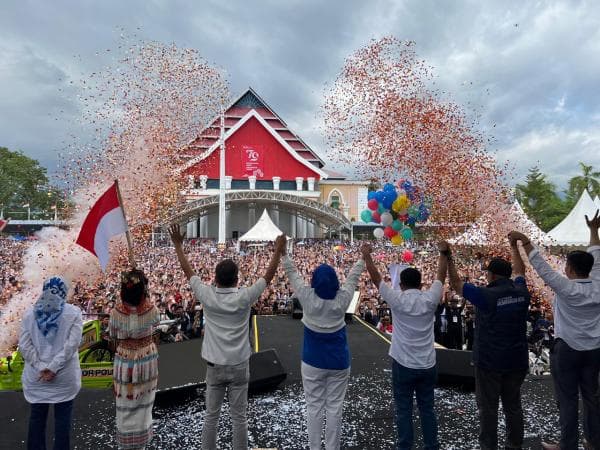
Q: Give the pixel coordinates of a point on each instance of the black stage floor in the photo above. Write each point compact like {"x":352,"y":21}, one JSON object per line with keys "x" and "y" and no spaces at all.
{"x":276,"y":419}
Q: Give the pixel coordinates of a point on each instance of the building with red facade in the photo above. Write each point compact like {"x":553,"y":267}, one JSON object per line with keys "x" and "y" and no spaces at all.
{"x":267,"y":166}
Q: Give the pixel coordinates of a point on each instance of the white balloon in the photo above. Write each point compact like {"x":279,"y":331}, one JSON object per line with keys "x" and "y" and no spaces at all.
{"x":386,"y":219}
{"x":378,"y":233}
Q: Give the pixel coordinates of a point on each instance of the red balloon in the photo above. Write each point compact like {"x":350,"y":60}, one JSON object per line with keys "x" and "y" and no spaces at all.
{"x":403,"y":218}
{"x":407,"y":256}
{"x":389,"y":232}
{"x":376,"y":217}
{"x":373,"y":204}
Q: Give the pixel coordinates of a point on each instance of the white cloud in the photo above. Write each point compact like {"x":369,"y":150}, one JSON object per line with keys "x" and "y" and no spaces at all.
{"x":527,"y":70}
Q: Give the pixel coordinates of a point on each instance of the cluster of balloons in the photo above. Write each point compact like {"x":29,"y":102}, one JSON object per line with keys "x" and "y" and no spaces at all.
{"x":397,"y":208}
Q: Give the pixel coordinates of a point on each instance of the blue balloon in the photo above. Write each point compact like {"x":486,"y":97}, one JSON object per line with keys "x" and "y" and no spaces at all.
{"x":393,"y":195}
{"x":379,"y":196}
{"x":387,"y":202}
{"x":371,"y":195}
{"x":388,"y":187}
{"x":411,"y":221}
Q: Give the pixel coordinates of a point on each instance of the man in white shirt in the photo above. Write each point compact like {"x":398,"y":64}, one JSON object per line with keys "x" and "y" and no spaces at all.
{"x":575,"y":356}
{"x":412,"y":350}
{"x":226,"y":348}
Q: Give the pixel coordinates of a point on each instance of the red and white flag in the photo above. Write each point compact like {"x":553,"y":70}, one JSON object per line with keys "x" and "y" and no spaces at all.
{"x":105,"y":220}
{"x":3,"y":223}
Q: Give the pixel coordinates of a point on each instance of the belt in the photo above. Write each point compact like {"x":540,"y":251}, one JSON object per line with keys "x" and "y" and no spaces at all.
{"x":133,"y":344}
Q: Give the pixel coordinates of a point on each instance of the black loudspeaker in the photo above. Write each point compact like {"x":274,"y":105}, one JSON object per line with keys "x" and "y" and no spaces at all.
{"x":296,"y":309}
{"x":455,"y":366}
{"x":266,"y":371}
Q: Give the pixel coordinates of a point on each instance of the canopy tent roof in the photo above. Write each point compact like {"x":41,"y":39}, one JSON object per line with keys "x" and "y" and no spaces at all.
{"x":479,"y":232}
{"x":573,"y":229}
{"x":263,"y":230}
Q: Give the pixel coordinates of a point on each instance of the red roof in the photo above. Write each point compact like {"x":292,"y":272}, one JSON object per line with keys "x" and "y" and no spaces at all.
{"x":247,"y":102}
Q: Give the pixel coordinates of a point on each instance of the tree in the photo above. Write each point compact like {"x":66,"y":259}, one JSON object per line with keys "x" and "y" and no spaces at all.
{"x":23,"y":181}
{"x":589,"y":179}
{"x":540,"y":201}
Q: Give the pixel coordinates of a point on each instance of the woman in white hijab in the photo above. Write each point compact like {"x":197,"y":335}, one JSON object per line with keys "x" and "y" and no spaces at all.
{"x":49,"y":343}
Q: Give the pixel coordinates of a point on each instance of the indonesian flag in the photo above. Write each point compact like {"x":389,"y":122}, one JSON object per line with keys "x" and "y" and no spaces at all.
{"x":105,"y":220}
{"x":3,"y":223}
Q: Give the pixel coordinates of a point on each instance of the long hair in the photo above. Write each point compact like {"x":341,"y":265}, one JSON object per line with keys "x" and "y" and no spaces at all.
{"x":134,"y":287}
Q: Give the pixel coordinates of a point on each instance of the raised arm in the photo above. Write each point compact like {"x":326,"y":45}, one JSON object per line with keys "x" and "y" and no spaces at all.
{"x":454,"y":278}
{"x":444,"y":249}
{"x":594,"y":249}
{"x":280,"y":244}
{"x":516,"y":259}
{"x":371,"y":268}
{"x":353,"y":276}
{"x":177,"y":239}
{"x":593,"y":225}
{"x":290,"y":270}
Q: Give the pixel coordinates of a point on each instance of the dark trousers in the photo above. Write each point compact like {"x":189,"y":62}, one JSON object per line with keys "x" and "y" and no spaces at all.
{"x":576,"y":371}
{"x":36,"y":437}
{"x":454,"y":338}
{"x":405,"y":383}
{"x":490,"y":387}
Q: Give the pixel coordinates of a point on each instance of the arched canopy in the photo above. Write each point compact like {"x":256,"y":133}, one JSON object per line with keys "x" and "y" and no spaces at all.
{"x":302,"y":207}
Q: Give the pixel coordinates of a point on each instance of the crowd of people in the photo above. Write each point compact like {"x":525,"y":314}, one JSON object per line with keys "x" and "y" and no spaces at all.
{"x":412,"y":305}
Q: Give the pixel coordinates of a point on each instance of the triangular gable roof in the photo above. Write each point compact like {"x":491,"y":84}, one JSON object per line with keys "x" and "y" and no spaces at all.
{"x":573,"y":229}
{"x":250,"y":114}
{"x":263,"y":230}
{"x":246,"y":102}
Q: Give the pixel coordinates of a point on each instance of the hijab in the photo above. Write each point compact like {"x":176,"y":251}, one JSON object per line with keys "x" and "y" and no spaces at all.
{"x":325,"y":282}
{"x":50,"y":305}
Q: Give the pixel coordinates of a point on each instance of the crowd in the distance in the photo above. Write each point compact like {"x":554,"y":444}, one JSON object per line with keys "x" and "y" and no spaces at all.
{"x":174,"y":299}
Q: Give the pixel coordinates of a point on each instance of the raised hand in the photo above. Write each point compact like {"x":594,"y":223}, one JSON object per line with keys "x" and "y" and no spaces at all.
{"x":515,"y":236}
{"x":175,"y":234}
{"x":280,"y":244}
{"x":366,"y":249}
{"x":594,"y":222}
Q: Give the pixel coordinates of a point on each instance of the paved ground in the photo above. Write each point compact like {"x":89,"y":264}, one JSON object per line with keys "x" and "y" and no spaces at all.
{"x":276,"y":419}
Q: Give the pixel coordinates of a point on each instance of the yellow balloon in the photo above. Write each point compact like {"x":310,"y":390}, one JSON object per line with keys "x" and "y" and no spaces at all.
{"x":397,"y":239}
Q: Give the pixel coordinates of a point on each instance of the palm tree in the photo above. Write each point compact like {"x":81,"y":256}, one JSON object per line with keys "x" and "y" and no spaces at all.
{"x":589,"y":179}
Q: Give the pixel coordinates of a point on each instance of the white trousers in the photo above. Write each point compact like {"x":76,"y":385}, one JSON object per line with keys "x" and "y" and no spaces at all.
{"x":324,"y":391}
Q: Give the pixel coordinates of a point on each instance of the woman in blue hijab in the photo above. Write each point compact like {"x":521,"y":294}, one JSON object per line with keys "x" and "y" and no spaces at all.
{"x":325,"y":353}
{"x":49,"y":343}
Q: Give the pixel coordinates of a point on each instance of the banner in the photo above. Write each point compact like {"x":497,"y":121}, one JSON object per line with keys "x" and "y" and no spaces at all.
{"x":252,"y":161}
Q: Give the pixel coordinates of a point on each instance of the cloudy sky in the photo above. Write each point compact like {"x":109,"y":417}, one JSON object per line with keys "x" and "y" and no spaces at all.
{"x":529,"y":70}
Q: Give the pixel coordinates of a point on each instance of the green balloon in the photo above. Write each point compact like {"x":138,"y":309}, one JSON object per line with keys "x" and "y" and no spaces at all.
{"x":397,"y":225}
{"x":407,"y":234}
{"x":366,"y":216}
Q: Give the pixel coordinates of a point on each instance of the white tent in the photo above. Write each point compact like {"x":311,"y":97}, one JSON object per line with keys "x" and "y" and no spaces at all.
{"x":526,"y":225}
{"x":597,"y":202}
{"x":479,"y":232}
{"x":573,"y":229}
{"x":263,"y":230}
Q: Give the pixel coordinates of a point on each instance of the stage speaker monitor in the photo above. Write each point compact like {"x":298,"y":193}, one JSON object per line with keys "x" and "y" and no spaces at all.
{"x":266,"y":371}
{"x":296,"y":309}
{"x":455,"y":366}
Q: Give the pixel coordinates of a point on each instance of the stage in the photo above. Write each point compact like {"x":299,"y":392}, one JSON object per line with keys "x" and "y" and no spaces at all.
{"x":276,"y":418}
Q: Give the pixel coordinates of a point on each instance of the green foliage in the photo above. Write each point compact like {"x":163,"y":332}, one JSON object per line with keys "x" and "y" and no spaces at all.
{"x":24,"y":181}
{"x":589,"y":179}
{"x":540,"y":201}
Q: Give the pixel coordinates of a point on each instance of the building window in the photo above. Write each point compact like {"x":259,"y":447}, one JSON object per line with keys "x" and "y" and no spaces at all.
{"x":335,"y":201}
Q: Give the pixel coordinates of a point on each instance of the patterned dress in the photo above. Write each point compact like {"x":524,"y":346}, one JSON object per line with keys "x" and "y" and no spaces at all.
{"x":135,"y":372}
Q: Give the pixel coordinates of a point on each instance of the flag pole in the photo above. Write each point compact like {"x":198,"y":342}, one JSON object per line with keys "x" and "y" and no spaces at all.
{"x":127,"y":233}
